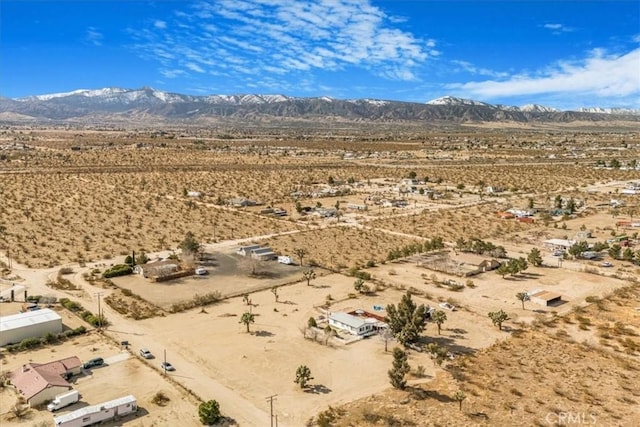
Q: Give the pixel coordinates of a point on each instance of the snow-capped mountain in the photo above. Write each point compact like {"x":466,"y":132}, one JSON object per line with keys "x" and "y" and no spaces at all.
{"x":599,"y":110}
{"x":452,"y":100}
{"x":115,"y":104}
{"x":529,"y":108}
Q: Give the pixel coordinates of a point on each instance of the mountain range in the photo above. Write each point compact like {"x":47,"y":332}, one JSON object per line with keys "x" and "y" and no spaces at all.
{"x":128,"y":104}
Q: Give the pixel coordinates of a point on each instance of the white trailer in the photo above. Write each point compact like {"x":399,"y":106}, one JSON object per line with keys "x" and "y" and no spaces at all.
{"x":98,"y":413}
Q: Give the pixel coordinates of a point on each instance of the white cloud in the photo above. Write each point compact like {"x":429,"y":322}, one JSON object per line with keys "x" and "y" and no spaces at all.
{"x":598,"y":75}
{"x":558,"y":28}
{"x":94,"y":37}
{"x":283,"y":36}
{"x":472,"y":69}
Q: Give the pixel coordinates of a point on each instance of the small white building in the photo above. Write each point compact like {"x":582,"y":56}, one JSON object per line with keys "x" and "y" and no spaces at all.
{"x":246,"y":250}
{"x":352,"y":324}
{"x":558,"y":244}
{"x":285,"y":259}
{"x":37,"y":323}
{"x":263,"y":254}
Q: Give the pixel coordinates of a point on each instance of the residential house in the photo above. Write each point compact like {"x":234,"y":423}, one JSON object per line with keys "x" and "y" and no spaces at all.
{"x":41,"y":382}
{"x":354,"y":325}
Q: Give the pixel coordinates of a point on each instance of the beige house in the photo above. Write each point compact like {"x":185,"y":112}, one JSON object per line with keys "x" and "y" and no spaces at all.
{"x":41,"y":382}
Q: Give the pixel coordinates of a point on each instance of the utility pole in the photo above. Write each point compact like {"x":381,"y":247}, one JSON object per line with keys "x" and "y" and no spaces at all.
{"x":99,"y":294}
{"x":270,"y":399}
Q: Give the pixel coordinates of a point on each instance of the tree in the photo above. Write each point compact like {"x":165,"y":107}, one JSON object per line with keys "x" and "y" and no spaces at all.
{"x":312,"y":322}
{"x":459,"y":397}
{"x":407,"y":320}
{"x":309,"y":275}
{"x":522,"y":296}
{"x":300,"y":253}
{"x":534,"y":257}
{"x":209,"y":412}
{"x":578,"y":248}
{"x":439,"y":317}
{"x":399,"y":369}
{"x":627,"y":254}
{"x":303,"y":376}
{"x":328,"y":333}
{"x":189,"y":246}
{"x":246,"y":299}
{"x":360,"y":287}
{"x":498,"y":318}
{"x":337,"y":206}
{"x":247,"y":318}
{"x":503,"y":269}
{"x":274,"y":291}
{"x":615,"y":251}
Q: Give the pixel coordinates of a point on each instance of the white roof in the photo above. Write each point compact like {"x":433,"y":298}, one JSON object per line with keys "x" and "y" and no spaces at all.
{"x":15,"y":321}
{"x":559,"y":242}
{"x":93,"y":409}
{"x":347,"y":319}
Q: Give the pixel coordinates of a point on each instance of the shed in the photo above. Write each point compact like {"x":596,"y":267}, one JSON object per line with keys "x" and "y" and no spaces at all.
{"x":263,"y":254}
{"x":544,"y":298}
{"x":246,"y":250}
{"x":37,"y":323}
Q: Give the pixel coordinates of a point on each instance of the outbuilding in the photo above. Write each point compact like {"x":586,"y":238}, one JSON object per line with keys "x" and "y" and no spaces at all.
{"x":37,"y":323}
{"x":544,"y":298}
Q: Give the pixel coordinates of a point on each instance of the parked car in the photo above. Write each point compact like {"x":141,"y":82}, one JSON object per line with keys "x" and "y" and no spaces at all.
{"x":201,"y":271}
{"x":146,"y":353}
{"x":606,"y":264}
{"x":447,"y":306}
{"x":167,"y":366}
{"x":98,"y":361}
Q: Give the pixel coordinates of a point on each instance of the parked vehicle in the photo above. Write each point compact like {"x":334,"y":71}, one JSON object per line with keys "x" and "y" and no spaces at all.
{"x":99,"y":413}
{"x":606,"y":264}
{"x":64,"y":399}
{"x":447,"y":306}
{"x":167,"y":366}
{"x":98,"y":361}
{"x":201,"y":271}
{"x":146,"y":353}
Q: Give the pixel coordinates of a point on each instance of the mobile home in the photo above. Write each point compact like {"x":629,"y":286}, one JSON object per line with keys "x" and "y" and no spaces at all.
{"x":101,"y":412}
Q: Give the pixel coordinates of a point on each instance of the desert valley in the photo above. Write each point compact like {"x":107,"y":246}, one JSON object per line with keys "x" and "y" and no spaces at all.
{"x":319,"y":269}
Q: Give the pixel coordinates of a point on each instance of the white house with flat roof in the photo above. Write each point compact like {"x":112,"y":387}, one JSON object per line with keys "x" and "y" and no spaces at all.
{"x":37,"y":323}
{"x":353,"y":324}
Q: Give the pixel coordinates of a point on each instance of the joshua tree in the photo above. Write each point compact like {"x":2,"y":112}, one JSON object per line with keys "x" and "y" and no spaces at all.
{"x":247,"y":318}
{"x":459,"y":397}
{"x":360,"y":287}
{"x":309,"y":275}
{"x":498,"y":318}
{"x":274,"y":291}
{"x":303,"y":376}
{"x":522,"y":297}
{"x":300,"y":253}
{"x":400,"y":369}
{"x":246,"y":299}
{"x":439,"y":317}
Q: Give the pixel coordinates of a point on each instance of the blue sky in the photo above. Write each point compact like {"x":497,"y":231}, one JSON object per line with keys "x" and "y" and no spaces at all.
{"x":564,"y":54}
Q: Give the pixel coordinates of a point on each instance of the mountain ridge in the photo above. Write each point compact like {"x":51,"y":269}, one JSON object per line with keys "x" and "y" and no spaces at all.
{"x":117,"y":102}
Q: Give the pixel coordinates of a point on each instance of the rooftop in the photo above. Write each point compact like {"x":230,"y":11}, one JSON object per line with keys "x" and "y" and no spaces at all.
{"x":28,"y":318}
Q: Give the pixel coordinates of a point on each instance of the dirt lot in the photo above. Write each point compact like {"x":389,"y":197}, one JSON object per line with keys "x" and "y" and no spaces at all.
{"x":113,"y":197}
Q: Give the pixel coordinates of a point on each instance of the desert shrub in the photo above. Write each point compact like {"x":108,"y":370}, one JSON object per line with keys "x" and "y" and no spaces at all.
{"x":160,"y":399}
{"x":117,"y":270}
{"x":29,"y":343}
{"x":34,"y":298}
{"x":70,"y":305}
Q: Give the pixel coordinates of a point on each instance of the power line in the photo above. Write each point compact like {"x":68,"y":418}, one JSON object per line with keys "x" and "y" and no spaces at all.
{"x":270,"y":399}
